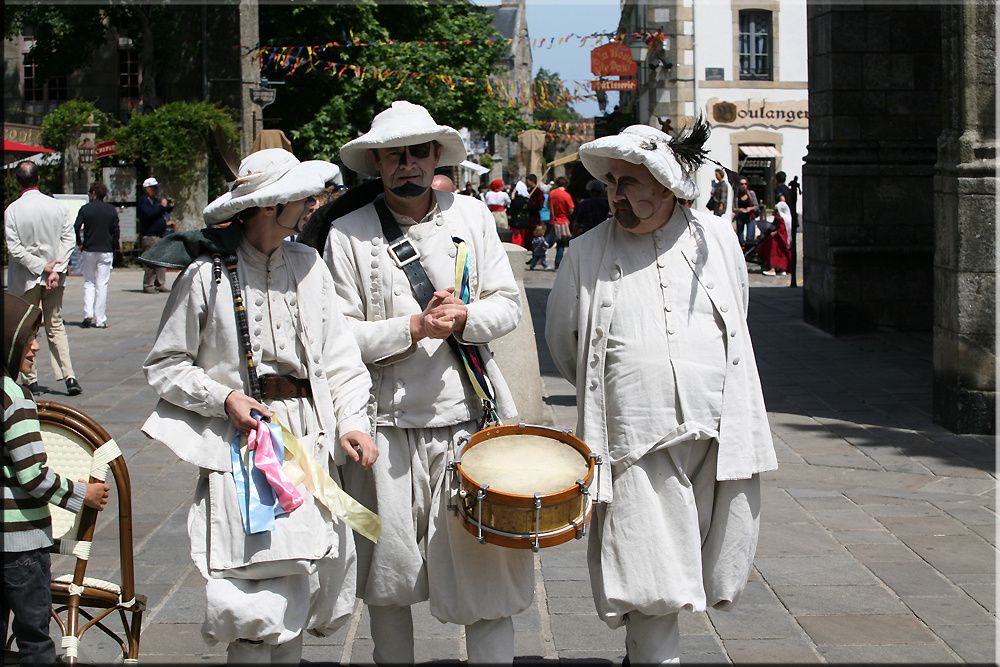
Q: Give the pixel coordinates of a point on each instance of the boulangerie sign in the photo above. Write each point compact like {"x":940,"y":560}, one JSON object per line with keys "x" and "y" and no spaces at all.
{"x":745,"y":113}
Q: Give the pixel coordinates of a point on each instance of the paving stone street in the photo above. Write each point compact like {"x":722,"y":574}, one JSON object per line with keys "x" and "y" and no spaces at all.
{"x":878,"y":530}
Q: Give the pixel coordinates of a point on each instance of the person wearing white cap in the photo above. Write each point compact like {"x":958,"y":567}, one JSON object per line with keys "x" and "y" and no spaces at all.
{"x":647,"y":318}
{"x":265,"y":324}
{"x":422,"y":400}
{"x":151,"y":210}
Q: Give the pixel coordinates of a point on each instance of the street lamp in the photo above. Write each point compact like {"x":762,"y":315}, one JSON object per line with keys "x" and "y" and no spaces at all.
{"x":637,"y":45}
{"x":88,"y":151}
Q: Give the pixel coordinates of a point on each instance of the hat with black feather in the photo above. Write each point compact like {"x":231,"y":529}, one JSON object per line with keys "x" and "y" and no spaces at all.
{"x":672,"y":161}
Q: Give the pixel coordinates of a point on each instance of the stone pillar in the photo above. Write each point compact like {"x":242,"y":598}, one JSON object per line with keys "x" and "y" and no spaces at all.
{"x":516,"y":354}
{"x":190,"y":196}
{"x":251,"y":115}
{"x":965,"y":234}
{"x":868,"y":179}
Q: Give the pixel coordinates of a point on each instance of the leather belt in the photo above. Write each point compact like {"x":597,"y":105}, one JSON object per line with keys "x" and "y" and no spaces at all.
{"x":280,"y":387}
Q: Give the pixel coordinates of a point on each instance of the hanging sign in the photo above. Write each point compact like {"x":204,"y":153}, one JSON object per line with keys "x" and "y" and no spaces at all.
{"x":106,"y":148}
{"x":614,"y":84}
{"x":613,"y":59}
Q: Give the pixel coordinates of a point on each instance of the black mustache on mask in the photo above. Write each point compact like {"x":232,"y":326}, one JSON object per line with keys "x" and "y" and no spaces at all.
{"x":409,"y":190}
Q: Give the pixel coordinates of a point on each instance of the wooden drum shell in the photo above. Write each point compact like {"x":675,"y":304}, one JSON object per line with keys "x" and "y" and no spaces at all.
{"x":562,"y":516}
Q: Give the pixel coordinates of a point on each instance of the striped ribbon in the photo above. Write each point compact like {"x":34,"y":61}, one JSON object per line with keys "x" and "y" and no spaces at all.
{"x":472,"y":356}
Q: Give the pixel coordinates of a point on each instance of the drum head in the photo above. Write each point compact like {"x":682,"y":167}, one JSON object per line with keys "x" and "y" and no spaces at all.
{"x":525,"y":460}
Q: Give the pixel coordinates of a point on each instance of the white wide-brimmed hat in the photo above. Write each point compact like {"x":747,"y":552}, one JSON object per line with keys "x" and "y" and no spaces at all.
{"x":270,"y":177}
{"x":150,"y":183}
{"x":402,"y":124}
{"x":645,"y":145}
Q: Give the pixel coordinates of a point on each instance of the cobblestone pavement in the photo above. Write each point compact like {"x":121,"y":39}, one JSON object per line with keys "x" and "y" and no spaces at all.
{"x":877,"y":535}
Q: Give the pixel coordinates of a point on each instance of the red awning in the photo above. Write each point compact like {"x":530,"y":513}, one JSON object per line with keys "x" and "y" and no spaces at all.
{"x":17,"y":147}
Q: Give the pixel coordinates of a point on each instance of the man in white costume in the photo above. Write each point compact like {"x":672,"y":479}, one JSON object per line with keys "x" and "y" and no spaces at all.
{"x":647,"y":318}
{"x":422,"y":400}
{"x":264,"y":589}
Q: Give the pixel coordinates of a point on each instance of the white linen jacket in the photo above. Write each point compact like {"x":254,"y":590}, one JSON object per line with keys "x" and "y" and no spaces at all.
{"x":38,"y":229}
{"x":578,"y":316}
{"x":196,"y":361}
{"x":377,"y":297}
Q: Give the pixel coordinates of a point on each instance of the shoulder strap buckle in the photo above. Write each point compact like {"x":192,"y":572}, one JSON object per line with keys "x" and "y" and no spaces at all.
{"x":403,"y":252}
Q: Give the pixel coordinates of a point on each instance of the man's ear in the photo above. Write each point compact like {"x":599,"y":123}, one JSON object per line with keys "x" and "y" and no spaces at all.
{"x":437,"y":153}
{"x":375,"y":158}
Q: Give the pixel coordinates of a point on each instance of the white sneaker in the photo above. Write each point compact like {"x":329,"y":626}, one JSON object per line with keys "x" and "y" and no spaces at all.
{"x":769,"y":272}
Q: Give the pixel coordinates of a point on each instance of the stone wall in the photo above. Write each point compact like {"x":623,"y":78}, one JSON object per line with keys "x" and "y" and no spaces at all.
{"x":965,"y":211}
{"x":868,"y":180}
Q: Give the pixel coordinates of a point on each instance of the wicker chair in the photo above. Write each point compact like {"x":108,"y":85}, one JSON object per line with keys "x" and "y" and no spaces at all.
{"x":78,"y":447}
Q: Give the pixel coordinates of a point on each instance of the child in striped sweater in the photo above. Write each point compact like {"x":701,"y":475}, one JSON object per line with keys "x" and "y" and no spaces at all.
{"x":28,"y":487}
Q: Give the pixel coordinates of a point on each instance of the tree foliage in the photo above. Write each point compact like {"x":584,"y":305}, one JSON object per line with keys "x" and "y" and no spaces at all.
{"x":62,"y":125}
{"x":323,"y":111}
{"x":175,"y":136}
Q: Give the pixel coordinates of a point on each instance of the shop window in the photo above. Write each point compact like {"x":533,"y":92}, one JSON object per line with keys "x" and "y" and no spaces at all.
{"x":756,"y":48}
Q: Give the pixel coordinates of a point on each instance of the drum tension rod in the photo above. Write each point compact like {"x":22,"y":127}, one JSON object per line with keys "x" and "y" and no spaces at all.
{"x":599,"y":463}
{"x":581,"y":528}
{"x":538,"y":513}
{"x":480,"y":495}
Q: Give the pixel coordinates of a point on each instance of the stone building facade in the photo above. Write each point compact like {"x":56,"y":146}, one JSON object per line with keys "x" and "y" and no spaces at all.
{"x":899,"y":187}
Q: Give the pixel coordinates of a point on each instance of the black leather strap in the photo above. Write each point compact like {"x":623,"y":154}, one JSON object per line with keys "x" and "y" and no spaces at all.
{"x":404,"y":254}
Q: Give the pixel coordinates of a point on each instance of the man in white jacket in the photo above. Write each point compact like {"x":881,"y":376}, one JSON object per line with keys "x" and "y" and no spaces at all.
{"x":648,"y":320}
{"x":40,"y":240}
{"x":422,"y":400}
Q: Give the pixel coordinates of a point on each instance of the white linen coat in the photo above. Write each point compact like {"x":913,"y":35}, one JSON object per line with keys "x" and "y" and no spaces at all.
{"x":37,"y":229}
{"x":196,"y":361}
{"x":578,"y":317}
{"x":378,"y":301}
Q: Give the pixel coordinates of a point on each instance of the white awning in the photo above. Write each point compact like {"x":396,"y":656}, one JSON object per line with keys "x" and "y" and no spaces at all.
{"x":477,"y":168}
{"x":760,"y":151}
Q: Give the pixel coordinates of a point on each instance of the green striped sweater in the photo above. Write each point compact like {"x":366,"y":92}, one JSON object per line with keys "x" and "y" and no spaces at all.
{"x":28,"y":483}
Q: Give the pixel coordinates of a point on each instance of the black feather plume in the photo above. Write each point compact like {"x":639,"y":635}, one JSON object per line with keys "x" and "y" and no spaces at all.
{"x":689,"y":145}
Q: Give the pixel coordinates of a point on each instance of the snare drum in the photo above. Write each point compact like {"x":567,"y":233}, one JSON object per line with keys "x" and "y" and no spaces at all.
{"x":524,"y":487}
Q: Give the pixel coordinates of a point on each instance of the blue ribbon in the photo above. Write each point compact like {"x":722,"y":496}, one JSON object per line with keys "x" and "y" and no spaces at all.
{"x":258,"y":504}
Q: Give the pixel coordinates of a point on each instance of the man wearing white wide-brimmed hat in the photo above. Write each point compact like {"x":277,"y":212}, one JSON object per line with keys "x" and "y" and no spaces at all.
{"x":422,"y":400}
{"x":251,"y":325}
{"x":647,"y":318}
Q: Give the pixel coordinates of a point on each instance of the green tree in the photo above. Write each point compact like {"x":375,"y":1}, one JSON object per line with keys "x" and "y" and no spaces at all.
{"x":175,"y":137}
{"x":323,"y":111}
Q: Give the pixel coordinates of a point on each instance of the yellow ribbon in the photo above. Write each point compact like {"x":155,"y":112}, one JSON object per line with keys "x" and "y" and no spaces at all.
{"x":302,"y":468}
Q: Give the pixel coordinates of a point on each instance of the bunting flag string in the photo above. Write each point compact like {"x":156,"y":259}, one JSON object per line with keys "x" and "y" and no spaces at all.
{"x":593,"y":39}
{"x":534,"y":93}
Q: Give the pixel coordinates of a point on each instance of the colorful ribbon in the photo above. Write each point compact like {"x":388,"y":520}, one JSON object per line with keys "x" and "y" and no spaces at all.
{"x":472,"y":356}
{"x":277,"y":462}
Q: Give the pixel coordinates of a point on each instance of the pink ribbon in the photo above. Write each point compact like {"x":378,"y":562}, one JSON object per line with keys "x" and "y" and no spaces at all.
{"x":265,"y":460}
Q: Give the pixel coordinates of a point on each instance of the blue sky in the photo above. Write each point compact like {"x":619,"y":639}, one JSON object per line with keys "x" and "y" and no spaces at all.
{"x":557,"y":18}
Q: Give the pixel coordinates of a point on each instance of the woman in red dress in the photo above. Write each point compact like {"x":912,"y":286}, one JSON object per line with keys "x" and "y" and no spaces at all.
{"x":773,"y":249}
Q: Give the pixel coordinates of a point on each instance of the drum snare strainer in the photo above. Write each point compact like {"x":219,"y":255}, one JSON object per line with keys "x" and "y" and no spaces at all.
{"x":524,"y":486}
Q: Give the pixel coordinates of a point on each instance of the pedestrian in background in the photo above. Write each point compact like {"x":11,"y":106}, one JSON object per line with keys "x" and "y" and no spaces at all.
{"x":720,"y":193}
{"x":152,"y":211}
{"x":746,"y":211}
{"x":29,"y":485}
{"x":97,"y":233}
{"x":538,"y":247}
{"x":560,"y":209}
{"x":536,"y":206}
{"x":517,"y":214}
{"x":497,"y":201}
{"x":469,"y":191}
{"x":593,"y":210}
{"x":39,"y":235}
{"x":442,"y":183}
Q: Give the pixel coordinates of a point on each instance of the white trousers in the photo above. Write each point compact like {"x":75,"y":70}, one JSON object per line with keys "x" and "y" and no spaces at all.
{"x":96,"y":276}
{"x":243,"y":652}
{"x":652,"y":640}
{"x":487,"y":642}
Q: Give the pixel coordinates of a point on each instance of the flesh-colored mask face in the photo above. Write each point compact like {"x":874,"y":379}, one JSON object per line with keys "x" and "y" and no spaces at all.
{"x":293,"y":216}
{"x":407,"y":171}
{"x":639,"y":202}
